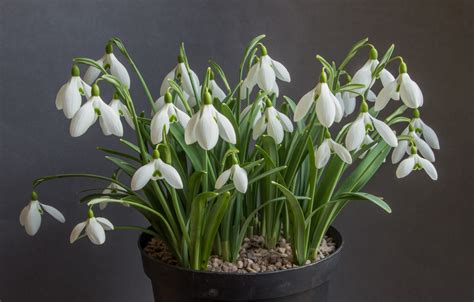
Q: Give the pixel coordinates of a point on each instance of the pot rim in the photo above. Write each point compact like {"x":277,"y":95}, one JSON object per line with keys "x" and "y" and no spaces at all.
{"x":335,"y":233}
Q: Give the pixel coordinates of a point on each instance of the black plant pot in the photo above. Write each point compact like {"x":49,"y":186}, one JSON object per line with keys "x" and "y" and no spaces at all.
{"x":308,"y":283}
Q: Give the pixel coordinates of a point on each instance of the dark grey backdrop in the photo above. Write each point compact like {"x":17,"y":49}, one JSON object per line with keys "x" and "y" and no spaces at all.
{"x":422,"y":252}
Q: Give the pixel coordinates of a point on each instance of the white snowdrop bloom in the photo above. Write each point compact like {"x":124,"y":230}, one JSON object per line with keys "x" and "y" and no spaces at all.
{"x":156,"y":169}
{"x":428,"y":133}
{"x":108,"y":61}
{"x":215,"y":90}
{"x":264,"y":74}
{"x":95,"y":108}
{"x":95,"y":229}
{"x":365,"y":122}
{"x":122,"y":110}
{"x":69,"y":97}
{"x":328,"y":108}
{"x":416,"y":162}
{"x":180,"y":74}
{"x":237,"y":174}
{"x":274,"y":122}
{"x":160,"y":102}
{"x":323,"y":152}
{"x":30,"y":216}
{"x":404,"y":88}
{"x":206,"y":125}
{"x":404,"y":146}
{"x":112,"y":188}
{"x":169,"y":113}
{"x":259,"y":108}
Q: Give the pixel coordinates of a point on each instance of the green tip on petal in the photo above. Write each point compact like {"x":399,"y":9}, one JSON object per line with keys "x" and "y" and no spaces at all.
{"x":323,"y":78}
{"x":34,"y":196}
{"x":207,"y":98}
{"x":95,"y":91}
{"x":373,"y":54}
{"x":263,"y":50}
{"x":75,"y":71}
{"x":364,"y":107}
{"x":180,"y":59}
{"x":413,"y":150}
{"x":402,"y":68}
{"x":90,"y":214}
{"x":109,"y":48}
{"x":155,"y":154}
{"x":416,"y":113}
{"x":168,"y":98}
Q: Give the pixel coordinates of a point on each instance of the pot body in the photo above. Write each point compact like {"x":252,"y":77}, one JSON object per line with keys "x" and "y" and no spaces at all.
{"x":308,"y":283}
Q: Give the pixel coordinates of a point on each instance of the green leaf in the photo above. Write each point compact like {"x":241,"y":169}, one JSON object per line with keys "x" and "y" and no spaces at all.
{"x":253,"y":43}
{"x":352,"y":52}
{"x":123,"y":165}
{"x":218,"y":69}
{"x":364,"y":196}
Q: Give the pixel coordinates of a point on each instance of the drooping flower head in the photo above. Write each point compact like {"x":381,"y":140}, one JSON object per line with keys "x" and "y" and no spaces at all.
{"x":95,"y":229}
{"x":206,"y":125}
{"x":272,"y":121}
{"x":108,"y":61}
{"x":30,"y":216}
{"x":69,"y":97}
{"x":404,"y":146}
{"x":426,"y":131}
{"x":95,"y":108}
{"x":154,"y":170}
{"x":121,"y":109}
{"x":235,"y":173}
{"x":162,"y":119}
{"x":323,"y":152}
{"x":328,"y":109}
{"x":416,"y":162}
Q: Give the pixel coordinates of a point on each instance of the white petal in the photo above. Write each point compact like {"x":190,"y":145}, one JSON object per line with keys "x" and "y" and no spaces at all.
{"x":280,"y":71}
{"x":385,"y":95}
{"x":83,"y":119}
{"x":76,"y":231}
{"x":303,"y":106}
{"x":349,"y":103}
{"x":424,"y":148}
{"x":169,"y":173}
{"x":266,"y":76}
{"x":339,"y":109}
{"x":429,"y":168}
{"x":60,"y":97}
{"x":286,"y":122}
{"x":23,"y":214}
{"x":386,"y":77}
{"x":274,"y":127}
{"x":95,"y":232}
{"x":54,"y":212}
{"x":226,"y":130}
{"x":216,"y":90}
{"x":33,"y":218}
{"x":117,"y":69}
{"x":240,"y":179}
{"x":72,"y":98}
{"x":259,"y":128}
{"x":385,"y":132}
{"x":322,"y":154}
{"x":252,"y":76}
{"x":110,"y":119}
{"x":165,"y":84}
{"x":430,"y":136}
{"x":410,"y":93}
{"x":356,"y":133}
{"x":342,"y":152}
{"x":183,"y":118}
{"x":405,"y":167}
{"x":142,"y":176}
{"x":185,"y":80}
{"x":159,"y":121}
{"x":207,"y":130}
{"x":92,"y":73}
{"x":222,"y":179}
{"x":106,"y":224}
{"x":325,"y":107}
{"x":399,"y":151}
{"x":371,"y":97}
{"x":190,"y":130}
{"x":363,"y":76}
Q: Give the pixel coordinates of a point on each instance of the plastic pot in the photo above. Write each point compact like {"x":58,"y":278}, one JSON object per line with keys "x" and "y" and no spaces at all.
{"x":309,"y":283}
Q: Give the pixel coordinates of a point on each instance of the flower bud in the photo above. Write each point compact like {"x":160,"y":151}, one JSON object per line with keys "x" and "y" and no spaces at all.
{"x":413,"y":150}
{"x":90,"y":213}
{"x":207,"y":100}
{"x":75,"y":71}
{"x":34,"y":196}
{"x":402,"y":68}
{"x":95,"y":91}
{"x":109,"y":48}
{"x":168,"y":98}
{"x":263,"y":50}
{"x":416,"y":113}
{"x":364,"y":107}
{"x":373,"y":54}
{"x":155,"y":154}
{"x":323,"y":78}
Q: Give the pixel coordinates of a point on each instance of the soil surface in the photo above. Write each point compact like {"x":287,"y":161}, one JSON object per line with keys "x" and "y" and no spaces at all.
{"x":253,"y":257}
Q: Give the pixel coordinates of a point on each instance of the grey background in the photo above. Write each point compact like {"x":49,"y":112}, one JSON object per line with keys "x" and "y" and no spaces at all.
{"x":421,"y":252}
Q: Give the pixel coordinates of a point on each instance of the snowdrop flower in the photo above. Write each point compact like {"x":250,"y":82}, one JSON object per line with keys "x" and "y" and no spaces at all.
{"x":416,"y":162}
{"x":207,"y":125}
{"x":328,"y":109}
{"x":108,"y":61}
{"x":69,"y":97}
{"x":264,"y":74}
{"x":181,"y":74}
{"x":156,"y":169}
{"x":404,"y":147}
{"x":274,"y":122}
{"x":95,"y":229}
{"x":404,"y":88}
{"x":169,"y":113}
{"x":94,"y":108}
{"x":237,"y":174}
{"x":259,"y":108}
{"x":364,"y":122}
{"x":323,"y":152}
{"x":30,"y":216}
{"x":215,"y":90}
{"x":113,"y":188}
{"x":428,"y":133}
{"x":122,"y":110}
